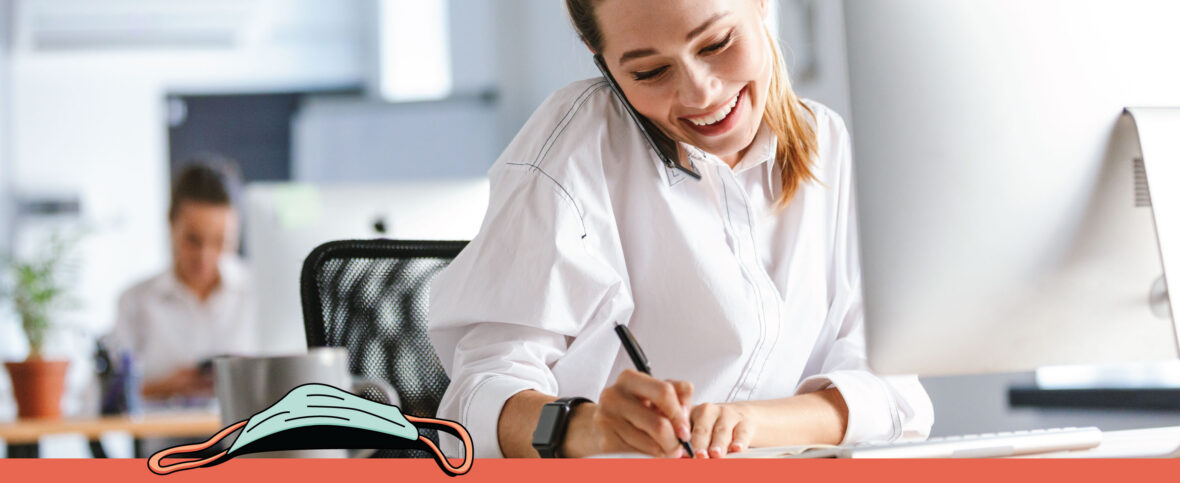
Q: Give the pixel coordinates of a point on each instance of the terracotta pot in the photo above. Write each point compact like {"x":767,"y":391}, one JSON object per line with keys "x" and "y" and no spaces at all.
{"x":38,"y":385}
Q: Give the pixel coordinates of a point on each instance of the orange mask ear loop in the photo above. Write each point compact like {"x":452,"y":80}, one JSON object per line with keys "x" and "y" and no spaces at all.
{"x":455,"y":429}
{"x":154,"y":463}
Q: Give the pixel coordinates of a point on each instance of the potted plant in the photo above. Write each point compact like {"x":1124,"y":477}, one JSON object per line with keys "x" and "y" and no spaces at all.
{"x":37,"y":289}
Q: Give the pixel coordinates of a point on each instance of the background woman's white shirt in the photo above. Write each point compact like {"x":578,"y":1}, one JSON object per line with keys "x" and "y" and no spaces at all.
{"x":167,"y":327}
{"x":586,"y":228}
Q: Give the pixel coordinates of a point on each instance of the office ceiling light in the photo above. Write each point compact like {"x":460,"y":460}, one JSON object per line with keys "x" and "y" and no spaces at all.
{"x":66,"y":25}
{"x":414,"y":51}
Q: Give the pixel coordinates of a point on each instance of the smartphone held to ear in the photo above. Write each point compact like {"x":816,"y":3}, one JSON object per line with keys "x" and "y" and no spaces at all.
{"x":667,"y":149}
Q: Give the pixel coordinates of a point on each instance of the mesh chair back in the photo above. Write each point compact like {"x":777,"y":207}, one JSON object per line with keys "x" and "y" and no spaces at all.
{"x":371,"y":297}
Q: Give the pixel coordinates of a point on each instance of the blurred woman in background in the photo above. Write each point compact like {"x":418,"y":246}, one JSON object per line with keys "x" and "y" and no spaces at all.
{"x":201,"y":306}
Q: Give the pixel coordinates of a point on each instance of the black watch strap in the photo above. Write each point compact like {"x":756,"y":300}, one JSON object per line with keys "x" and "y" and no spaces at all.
{"x":550,"y":432}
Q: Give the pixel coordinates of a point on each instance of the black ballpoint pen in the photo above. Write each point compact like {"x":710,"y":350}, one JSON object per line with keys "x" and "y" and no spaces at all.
{"x":640,"y":361}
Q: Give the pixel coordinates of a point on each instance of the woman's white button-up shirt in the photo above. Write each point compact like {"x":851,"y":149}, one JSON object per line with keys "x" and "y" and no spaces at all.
{"x":167,"y":328}
{"x":721,"y":288}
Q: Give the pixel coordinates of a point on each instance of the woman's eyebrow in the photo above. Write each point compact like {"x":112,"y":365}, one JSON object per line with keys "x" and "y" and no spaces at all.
{"x":637,"y":53}
{"x":697,"y":31}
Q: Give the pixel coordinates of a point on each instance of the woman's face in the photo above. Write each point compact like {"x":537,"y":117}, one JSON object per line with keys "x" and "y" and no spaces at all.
{"x":201,"y":233}
{"x":699,"y":69}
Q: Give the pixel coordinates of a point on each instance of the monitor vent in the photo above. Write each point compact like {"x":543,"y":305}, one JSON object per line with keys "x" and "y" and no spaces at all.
{"x":1142,"y":193}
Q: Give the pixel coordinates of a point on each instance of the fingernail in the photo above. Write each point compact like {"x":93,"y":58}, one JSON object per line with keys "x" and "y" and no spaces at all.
{"x":682,"y":432}
{"x":698,"y":454}
{"x":715,"y":452}
{"x":736,"y":447}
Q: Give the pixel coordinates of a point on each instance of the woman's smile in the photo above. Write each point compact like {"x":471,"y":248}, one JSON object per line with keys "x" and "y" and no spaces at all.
{"x":721,"y":120}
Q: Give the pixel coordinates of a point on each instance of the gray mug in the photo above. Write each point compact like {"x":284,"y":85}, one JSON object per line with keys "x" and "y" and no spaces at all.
{"x":247,"y":385}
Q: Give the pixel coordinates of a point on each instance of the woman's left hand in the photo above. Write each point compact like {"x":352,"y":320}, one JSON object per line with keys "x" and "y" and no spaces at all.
{"x":720,"y":429}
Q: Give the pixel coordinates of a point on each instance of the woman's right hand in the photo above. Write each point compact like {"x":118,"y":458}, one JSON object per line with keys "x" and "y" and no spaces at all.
{"x":638,"y":414}
{"x":184,"y":381}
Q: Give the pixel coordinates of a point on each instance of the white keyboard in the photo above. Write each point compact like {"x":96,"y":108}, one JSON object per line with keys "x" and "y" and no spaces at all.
{"x":988,"y":445}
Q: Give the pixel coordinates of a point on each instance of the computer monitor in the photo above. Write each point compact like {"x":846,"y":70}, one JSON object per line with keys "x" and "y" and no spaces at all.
{"x":1000,"y":224}
{"x":284,"y":222}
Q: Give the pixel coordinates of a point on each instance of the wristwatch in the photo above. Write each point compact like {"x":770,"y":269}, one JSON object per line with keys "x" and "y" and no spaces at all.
{"x":551,"y":426}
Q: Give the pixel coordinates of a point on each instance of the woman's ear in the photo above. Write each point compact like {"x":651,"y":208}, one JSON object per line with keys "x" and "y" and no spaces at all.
{"x":763,"y":9}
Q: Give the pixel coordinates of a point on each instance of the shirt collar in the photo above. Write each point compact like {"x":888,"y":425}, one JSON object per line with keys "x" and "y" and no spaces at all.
{"x":762,"y":153}
{"x":229,"y":268}
{"x":168,"y":283}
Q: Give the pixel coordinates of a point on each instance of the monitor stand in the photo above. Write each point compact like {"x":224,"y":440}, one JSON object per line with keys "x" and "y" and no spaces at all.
{"x":1159,"y":148}
{"x":1140,"y":385}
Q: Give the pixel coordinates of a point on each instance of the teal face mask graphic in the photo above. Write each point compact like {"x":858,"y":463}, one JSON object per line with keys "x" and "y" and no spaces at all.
{"x":319,"y":416}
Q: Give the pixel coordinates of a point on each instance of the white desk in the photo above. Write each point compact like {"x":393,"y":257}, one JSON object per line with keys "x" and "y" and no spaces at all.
{"x":1132,"y":443}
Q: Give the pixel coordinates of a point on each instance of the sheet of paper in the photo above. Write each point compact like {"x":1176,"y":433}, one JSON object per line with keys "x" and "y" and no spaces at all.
{"x":786,"y":451}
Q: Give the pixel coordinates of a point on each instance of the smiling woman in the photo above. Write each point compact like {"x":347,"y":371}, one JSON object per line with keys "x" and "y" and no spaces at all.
{"x":743,"y":287}
{"x":734,"y":51}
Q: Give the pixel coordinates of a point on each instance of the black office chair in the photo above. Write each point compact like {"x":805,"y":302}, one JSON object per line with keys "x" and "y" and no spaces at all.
{"x":371,"y":297}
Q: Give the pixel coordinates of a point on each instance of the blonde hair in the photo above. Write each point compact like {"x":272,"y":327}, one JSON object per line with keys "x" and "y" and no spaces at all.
{"x":797,"y":143}
{"x":784,"y":111}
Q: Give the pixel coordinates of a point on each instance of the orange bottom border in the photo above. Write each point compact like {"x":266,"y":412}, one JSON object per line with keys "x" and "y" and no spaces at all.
{"x":604,"y":471}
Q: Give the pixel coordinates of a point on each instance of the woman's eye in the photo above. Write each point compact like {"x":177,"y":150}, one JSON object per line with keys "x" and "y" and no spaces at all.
{"x":649,"y":74}
{"x":719,"y":45}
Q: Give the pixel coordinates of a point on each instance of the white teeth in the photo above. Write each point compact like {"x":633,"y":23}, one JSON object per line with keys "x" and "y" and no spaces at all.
{"x":716,"y":116}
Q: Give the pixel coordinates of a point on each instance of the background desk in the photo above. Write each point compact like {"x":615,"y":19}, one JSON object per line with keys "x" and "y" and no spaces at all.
{"x":22,"y":436}
{"x":979,"y":404}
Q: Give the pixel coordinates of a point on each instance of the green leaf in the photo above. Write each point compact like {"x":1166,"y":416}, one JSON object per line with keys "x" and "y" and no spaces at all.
{"x":40,"y":285}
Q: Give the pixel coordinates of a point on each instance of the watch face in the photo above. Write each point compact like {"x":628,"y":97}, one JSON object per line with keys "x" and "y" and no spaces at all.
{"x":547,"y":424}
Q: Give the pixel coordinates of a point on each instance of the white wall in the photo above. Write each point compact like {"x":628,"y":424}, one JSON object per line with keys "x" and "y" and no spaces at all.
{"x":5,"y":103}
{"x":814,"y":29}
{"x":540,"y":53}
{"x":5,"y":47}
{"x":9,"y":332}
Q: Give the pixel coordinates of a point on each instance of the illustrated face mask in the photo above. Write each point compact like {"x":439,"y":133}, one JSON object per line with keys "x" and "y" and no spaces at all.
{"x":319,"y":416}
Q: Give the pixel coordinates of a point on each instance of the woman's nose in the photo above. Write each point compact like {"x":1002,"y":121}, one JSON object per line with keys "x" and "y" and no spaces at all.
{"x":211,"y":255}
{"x":698,"y":88}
